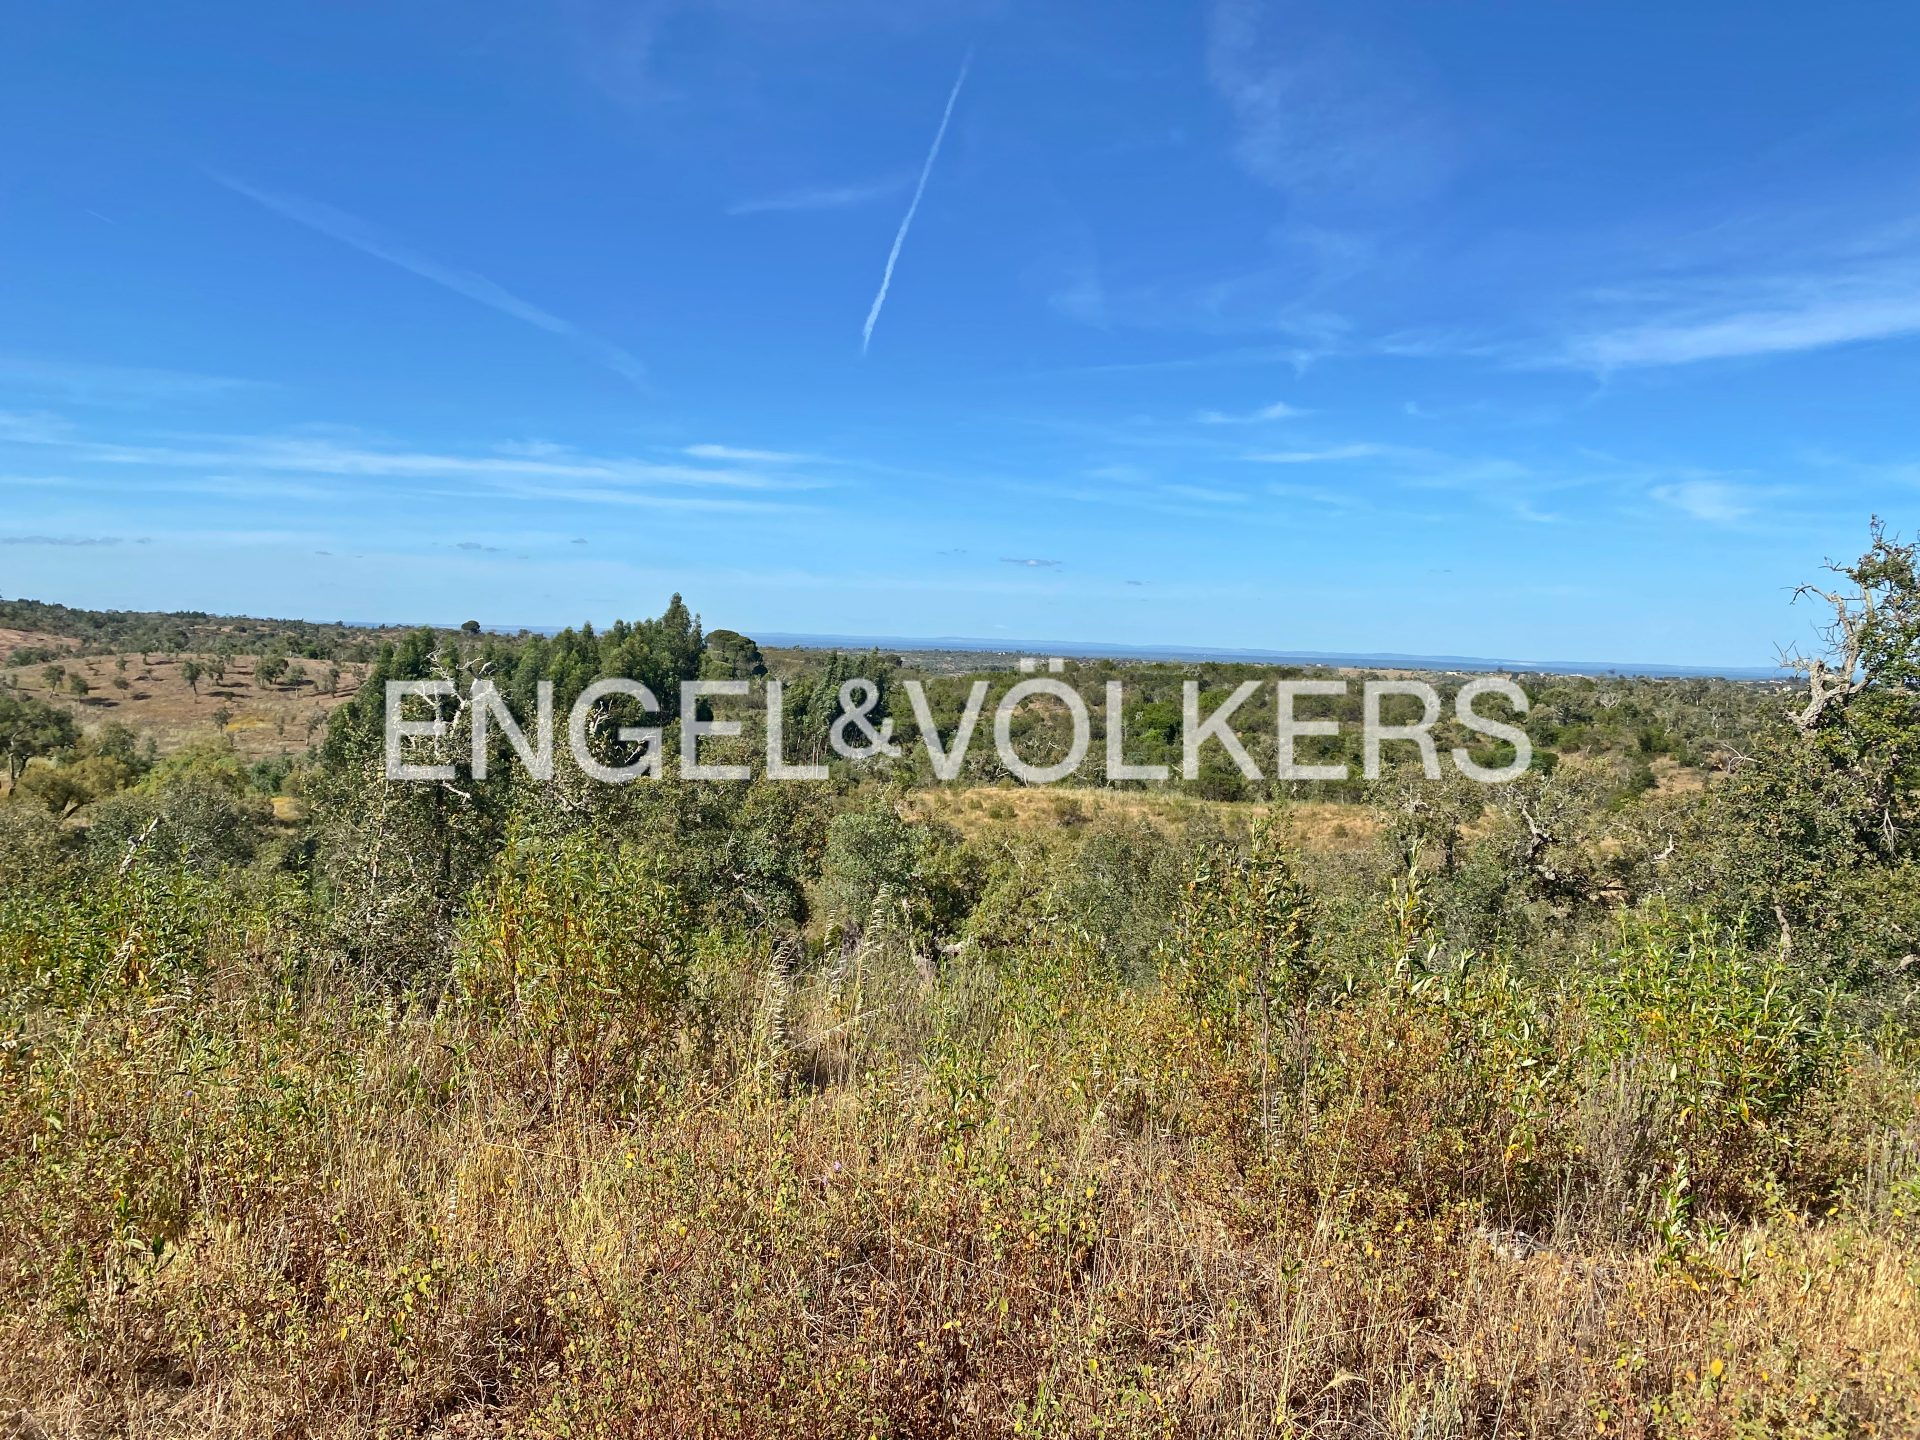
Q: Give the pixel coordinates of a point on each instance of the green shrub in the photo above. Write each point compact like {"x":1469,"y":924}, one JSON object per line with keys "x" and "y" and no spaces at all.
{"x":1119,"y":889}
{"x":874,"y":857}
{"x":1726,"y":1053}
{"x":575,"y":935}
{"x":138,"y":929}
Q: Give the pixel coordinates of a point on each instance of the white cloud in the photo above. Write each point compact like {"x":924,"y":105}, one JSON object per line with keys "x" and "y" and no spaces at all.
{"x":1818,"y":318}
{"x":1206,"y":494}
{"x":1330,"y":453}
{"x":1792,"y":285}
{"x":88,"y":383}
{"x":297,"y":467}
{"x":39,"y":428}
{"x":1321,"y":116}
{"x":1713,"y":501}
{"x":1317,"y":495}
{"x":734,"y":452}
{"x":1082,"y":298}
{"x":1301,"y":358}
{"x":323,"y":457}
{"x":1279,"y":410}
{"x":823,"y":197}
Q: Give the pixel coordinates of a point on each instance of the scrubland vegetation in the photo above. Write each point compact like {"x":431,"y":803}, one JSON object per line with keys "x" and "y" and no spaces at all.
{"x":1581,"y":1105}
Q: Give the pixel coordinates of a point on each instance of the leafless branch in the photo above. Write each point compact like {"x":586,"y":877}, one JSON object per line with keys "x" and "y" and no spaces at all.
{"x":1832,"y":684}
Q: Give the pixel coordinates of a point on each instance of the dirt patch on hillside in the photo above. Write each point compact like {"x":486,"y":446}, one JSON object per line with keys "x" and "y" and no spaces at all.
{"x":12,"y":640}
{"x":152,"y":696}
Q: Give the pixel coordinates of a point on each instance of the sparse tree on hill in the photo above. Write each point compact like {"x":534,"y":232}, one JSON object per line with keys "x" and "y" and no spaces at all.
{"x":191,"y":673}
{"x":31,"y":727}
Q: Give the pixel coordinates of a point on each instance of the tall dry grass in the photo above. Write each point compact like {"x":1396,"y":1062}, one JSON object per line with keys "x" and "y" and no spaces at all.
{"x":247,"y":1194}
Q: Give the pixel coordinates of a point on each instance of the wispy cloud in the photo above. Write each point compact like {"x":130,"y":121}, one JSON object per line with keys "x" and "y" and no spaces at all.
{"x":1327,"y":454}
{"x":1319,"y":115}
{"x":821,"y":197}
{"x":86,"y":383}
{"x":1778,"y":283}
{"x":1864,"y":472}
{"x":1070,"y":275}
{"x":71,"y":541}
{"x":301,"y":455}
{"x":1399,"y":475}
{"x":1081,"y":297}
{"x":746,"y":456}
{"x":535,"y":449}
{"x":352,"y":231}
{"x":1300,"y":357}
{"x":1029,"y":563}
{"x":1129,"y":487}
{"x":1773,"y":317}
{"x":302,"y":467}
{"x":1205,"y":494}
{"x":1317,"y":495}
{"x":1714,"y":501}
{"x":913,"y":206}
{"x":34,"y":429}
{"x":1279,"y":410}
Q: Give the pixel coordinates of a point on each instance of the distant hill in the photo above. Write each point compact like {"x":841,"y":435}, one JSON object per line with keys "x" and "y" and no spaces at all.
{"x":74,"y":630}
{"x":1372,"y":660}
{"x":182,"y":631}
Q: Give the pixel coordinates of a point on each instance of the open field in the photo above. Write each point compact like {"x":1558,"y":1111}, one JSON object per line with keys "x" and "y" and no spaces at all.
{"x":151,"y":695}
{"x":12,"y":639}
{"x":984,"y":811}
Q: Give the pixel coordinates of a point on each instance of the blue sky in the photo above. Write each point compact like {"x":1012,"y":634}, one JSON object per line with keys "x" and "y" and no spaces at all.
{"x":1544,"y":331}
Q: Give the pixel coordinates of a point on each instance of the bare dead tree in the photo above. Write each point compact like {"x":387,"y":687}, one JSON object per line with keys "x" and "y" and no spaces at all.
{"x":1728,"y":756}
{"x":1560,"y":872}
{"x":1859,"y":632}
{"x":1536,"y":859}
{"x":1833,"y":682}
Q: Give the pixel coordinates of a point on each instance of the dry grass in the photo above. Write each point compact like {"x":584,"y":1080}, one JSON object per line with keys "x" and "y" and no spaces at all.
{"x":983,"y":810}
{"x":12,"y":640}
{"x":867,"y":1206}
{"x":151,"y":696}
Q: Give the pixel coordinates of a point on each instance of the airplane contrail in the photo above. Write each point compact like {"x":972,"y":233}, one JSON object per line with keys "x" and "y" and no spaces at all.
{"x":899,"y":239}
{"x":351,"y":230}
